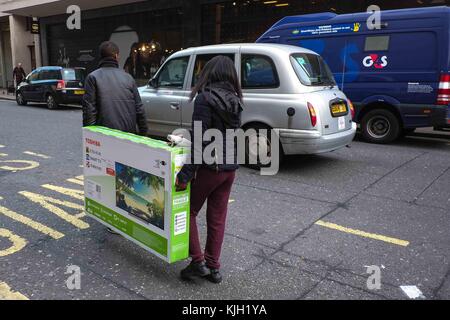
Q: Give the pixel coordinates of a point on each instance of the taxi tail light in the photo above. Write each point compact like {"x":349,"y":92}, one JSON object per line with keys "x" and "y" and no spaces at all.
{"x":61,"y":85}
{"x":443,"y":98}
{"x":352,"y":108}
{"x":312,"y":114}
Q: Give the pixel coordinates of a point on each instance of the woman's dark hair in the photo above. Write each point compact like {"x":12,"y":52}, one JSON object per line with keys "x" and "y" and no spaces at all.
{"x":218,"y":69}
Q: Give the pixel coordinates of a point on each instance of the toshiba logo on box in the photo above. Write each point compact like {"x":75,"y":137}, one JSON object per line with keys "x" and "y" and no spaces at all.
{"x":92,"y":142}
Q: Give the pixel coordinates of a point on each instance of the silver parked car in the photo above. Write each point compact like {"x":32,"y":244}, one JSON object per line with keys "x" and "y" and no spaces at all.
{"x":286,"y":88}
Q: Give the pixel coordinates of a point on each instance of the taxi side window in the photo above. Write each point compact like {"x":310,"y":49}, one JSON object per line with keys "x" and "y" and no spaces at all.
{"x":258,"y":72}
{"x":173,"y":73}
{"x":200,"y":62}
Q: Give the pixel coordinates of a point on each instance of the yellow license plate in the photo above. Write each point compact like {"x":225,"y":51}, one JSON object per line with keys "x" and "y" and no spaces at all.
{"x":79,"y":92}
{"x":338,"y":109}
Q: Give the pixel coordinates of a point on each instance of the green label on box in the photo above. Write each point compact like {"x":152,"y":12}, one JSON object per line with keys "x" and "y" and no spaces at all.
{"x":132,"y":229}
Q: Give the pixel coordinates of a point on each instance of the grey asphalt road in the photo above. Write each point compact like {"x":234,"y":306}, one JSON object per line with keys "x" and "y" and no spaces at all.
{"x":308,"y":233}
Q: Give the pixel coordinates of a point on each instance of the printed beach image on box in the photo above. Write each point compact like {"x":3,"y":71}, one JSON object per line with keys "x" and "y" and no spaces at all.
{"x":141,"y":194}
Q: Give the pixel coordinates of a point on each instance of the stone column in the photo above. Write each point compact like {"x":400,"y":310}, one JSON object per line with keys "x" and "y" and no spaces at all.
{"x":21,"y":39}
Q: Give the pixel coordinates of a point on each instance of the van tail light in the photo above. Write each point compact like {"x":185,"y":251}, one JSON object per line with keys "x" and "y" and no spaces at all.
{"x":312,"y":114}
{"x":61,"y":85}
{"x":352,"y":108}
{"x":443,"y":98}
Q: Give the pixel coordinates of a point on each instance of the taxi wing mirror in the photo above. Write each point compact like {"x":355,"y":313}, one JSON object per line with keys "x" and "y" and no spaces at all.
{"x":153,"y":83}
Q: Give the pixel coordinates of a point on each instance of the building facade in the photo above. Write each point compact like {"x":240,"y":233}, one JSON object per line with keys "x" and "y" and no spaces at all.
{"x":147,"y":32}
{"x":17,"y":44}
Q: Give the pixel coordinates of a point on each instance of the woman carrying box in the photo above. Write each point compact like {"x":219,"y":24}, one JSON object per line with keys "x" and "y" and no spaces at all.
{"x":218,"y":105}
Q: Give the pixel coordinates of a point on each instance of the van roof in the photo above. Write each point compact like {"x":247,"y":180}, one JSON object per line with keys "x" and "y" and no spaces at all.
{"x":333,"y":17}
{"x":280,"y":48}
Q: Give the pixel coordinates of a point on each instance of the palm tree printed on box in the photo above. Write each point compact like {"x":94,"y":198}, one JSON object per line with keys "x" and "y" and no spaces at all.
{"x":141,"y":194}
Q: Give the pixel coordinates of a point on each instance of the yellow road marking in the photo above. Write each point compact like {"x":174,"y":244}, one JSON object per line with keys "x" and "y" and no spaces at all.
{"x":364,"y":234}
{"x":39,"y":155}
{"x":2,"y":146}
{"x":231,"y":201}
{"x":31,"y":223}
{"x":76,"y":181}
{"x":7,"y":294}
{"x":80,"y":178}
{"x":3,"y":154}
{"x":77,"y":194}
{"x":80,"y":215}
{"x":31,"y":165}
{"x":18,"y":243}
{"x":48,"y":203}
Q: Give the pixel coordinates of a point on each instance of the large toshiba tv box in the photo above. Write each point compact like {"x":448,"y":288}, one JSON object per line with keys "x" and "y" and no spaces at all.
{"x":129,"y":184}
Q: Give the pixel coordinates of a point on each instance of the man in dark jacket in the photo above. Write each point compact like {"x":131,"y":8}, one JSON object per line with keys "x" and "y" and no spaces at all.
{"x":18,"y":74}
{"x":112,"y":99}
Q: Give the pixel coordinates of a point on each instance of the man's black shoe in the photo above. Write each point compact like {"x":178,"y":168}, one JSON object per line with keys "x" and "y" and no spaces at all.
{"x":215,"y":276}
{"x":194,"y":270}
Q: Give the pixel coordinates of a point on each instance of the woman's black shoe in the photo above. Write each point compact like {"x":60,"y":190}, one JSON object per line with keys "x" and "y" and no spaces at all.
{"x":215,"y":276}
{"x":194,"y":270}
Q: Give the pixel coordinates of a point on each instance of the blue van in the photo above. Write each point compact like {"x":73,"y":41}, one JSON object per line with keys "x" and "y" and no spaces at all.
{"x":397,"y":76}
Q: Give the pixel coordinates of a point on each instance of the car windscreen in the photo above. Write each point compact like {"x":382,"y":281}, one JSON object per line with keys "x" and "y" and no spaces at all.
{"x":312,"y":70}
{"x":73,"y":74}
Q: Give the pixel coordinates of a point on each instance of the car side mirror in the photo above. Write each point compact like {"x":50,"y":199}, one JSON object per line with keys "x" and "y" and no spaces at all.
{"x":153,"y":83}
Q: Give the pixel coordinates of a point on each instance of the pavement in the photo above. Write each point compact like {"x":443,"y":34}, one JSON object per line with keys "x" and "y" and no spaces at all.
{"x":317,"y":230}
{"x":4,"y":95}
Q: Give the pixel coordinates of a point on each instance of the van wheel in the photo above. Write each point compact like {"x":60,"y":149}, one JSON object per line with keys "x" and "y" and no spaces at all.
{"x":255,"y":142}
{"x":51,"y":102}
{"x":380,"y":126}
{"x":21,"y":100}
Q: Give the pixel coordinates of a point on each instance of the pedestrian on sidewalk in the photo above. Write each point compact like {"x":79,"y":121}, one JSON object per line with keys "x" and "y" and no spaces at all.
{"x":112,"y":99}
{"x":18,"y":75}
{"x":218,"y":105}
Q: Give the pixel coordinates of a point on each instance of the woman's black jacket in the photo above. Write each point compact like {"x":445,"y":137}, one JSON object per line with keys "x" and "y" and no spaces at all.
{"x":216,"y":107}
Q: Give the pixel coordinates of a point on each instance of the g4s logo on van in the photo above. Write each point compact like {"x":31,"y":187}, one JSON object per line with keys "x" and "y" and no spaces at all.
{"x":376,"y":61}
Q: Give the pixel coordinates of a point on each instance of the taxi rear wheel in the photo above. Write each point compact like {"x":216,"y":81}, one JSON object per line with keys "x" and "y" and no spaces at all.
{"x":257,"y":143}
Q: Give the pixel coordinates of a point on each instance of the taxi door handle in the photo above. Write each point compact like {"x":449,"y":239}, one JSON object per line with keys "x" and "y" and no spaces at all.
{"x":175,"y":105}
